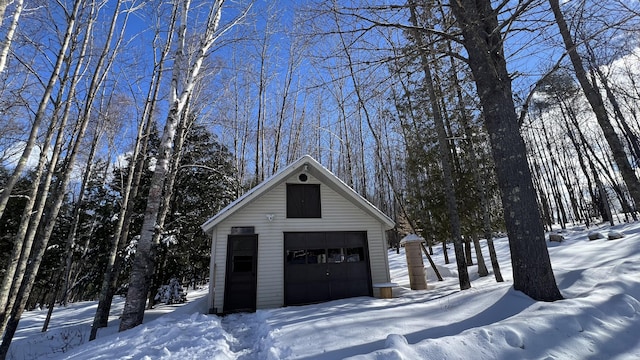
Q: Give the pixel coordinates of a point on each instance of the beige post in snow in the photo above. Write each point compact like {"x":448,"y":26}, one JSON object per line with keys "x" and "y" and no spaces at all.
{"x":415,"y":265}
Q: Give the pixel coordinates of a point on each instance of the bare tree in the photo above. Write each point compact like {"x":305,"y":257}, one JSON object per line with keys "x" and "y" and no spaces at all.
{"x":594,"y":97}
{"x":3,"y":8}
{"x":45,"y":225}
{"x":482,"y":38}
{"x":445,"y":154}
{"x":5,"y":44}
{"x":41,"y":113}
{"x":288,"y":100}
{"x":135,"y":169}
{"x":185,"y":74}
{"x":75,"y":217}
{"x":21,"y":248}
{"x":259,"y":154}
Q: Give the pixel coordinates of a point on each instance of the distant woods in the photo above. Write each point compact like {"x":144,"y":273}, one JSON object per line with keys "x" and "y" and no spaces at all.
{"x":397,"y":100}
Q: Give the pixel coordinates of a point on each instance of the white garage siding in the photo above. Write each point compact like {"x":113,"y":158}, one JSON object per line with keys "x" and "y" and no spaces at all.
{"x":338,"y":214}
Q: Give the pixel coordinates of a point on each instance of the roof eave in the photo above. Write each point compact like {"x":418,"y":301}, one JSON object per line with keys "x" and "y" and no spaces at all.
{"x":328,"y":178}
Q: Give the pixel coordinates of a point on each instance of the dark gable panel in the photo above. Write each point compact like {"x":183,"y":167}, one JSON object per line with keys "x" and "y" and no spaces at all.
{"x":303,"y":201}
{"x":312,"y":201}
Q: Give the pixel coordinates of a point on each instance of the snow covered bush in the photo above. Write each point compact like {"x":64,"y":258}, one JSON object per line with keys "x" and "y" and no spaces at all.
{"x":173,"y":293}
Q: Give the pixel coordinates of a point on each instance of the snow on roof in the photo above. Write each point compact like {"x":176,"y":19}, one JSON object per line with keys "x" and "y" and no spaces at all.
{"x":411,"y":238}
{"x":321,"y":173}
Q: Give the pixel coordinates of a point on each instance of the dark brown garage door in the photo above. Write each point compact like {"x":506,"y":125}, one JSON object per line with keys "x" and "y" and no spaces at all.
{"x":322,"y":266}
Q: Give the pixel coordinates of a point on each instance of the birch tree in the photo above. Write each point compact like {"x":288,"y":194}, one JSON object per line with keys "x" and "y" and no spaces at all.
{"x":23,"y":284}
{"x":186,"y":69}
{"x":41,"y":112}
{"x":130,"y":186}
{"x":22,"y":248}
{"x":5,"y":44}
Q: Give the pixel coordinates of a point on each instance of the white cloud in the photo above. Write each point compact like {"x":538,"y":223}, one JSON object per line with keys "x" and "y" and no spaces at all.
{"x":12,"y":155}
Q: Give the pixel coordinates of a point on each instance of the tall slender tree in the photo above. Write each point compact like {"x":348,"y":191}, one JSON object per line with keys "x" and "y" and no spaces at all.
{"x":131,"y":184}
{"x":187,"y":65}
{"x":444,"y":152}
{"x":41,"y":113}
{"x":5,"y":43}
{"x":24,"y":238}
{"x":594,"y":97}
{"x":482,"y":37}
{"x":45,"y":225}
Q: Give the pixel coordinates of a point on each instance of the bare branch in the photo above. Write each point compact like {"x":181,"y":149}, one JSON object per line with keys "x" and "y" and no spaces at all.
{"x":525,"y":106}
{"x":376,"y":23}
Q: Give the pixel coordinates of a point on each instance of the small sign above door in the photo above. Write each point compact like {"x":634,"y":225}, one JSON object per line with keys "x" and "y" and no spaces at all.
{"x":243,"y":230}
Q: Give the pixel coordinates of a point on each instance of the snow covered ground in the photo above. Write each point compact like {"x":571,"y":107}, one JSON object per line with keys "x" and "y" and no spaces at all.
{"x":599,"y":319}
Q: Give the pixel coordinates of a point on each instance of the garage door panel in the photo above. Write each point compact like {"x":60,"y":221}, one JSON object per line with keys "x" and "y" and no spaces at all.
{"x":296,"y":293}
{"x":326,"y":266}
{"x":354,"y":239}
{"x":340,"y":289}
{"x":317,"y":291}
{"x":338,"y":271}
{"x":305,"y":241}
{"x":334,"y":240}
{"x":357,"y":271}
{"x":296,"y":275}
{"x":317,"y":272}
{"x":358,"y":288}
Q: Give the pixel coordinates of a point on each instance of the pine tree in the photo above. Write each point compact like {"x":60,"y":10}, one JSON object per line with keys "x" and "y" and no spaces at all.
{"x":204,"y":185}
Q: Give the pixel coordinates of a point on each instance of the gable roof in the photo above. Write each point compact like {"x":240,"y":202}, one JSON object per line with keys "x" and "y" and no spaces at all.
{"x":313,"y":167}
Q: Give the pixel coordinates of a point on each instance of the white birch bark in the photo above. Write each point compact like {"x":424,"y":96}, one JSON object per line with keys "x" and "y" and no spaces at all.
{"x":42,"y":107}
{"x":185,"y":76}
{"x":20,"y":246}
{"x":99,"y":74}
{"x":11,"y":30}
{"x":120,"y":232}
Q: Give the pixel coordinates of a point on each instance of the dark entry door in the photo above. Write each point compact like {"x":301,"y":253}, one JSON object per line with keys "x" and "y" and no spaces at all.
{"x":322,"y":266}
{"x":240,"y":279}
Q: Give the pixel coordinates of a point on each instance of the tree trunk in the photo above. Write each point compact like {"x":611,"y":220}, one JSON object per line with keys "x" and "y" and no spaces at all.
{"x":445,"y":251}
{"x":143,"y":264}
{"x":131,"y":187}
{"x":41,"y":112}
{"x":482,"y":268}
{"x":532,"y":272}
{"x":46,"y":225}
{"x":597,"y":105}
{"x":470,"y":148}
{"x":604,"y":207}
{"x":52,"y":303}
{"x":11,"y":30}
{"x":581,"y":160}
{"x":75,"y":219}
{"x":467,"y":251}
{"x":169,"y":185}
{"x":185,"y":75}
{"x":603,"y":195}
{"x":445,"y":158}
{"x":630,"y":135}
{"x":39,"y":192}
{"x":260,"y":121}
{"x":4,"y":4}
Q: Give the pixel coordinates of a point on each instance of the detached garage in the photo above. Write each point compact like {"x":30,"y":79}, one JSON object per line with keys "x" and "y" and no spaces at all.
{"x":302,"y":236}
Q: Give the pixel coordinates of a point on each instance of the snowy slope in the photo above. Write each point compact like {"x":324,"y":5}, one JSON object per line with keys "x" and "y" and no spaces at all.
{"x":599,"y":319}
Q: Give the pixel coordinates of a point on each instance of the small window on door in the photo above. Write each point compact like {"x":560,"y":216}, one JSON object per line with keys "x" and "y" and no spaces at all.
{"x":242,"y":263}
{"x":303,"y":201}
